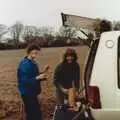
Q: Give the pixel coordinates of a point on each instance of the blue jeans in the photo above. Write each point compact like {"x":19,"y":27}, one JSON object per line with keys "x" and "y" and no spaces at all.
{"x":32,"y":108}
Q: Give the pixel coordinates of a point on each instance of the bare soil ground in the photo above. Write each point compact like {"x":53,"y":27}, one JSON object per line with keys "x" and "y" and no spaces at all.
{"x":10,"y":102}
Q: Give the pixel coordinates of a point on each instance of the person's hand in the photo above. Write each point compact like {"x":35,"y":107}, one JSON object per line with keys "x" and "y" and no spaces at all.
{"x":65,"y":91}
{"x":42,"y":76}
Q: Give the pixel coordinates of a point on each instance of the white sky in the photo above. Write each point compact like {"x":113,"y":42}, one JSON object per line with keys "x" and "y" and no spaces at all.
{"x":47,"y":12}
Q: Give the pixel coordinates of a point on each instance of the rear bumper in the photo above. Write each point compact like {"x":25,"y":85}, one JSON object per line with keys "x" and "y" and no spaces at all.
{"x":106,"y":114}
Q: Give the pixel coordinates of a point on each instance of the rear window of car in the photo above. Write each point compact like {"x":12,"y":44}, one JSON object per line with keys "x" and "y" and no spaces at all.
{"x":90,"y":62}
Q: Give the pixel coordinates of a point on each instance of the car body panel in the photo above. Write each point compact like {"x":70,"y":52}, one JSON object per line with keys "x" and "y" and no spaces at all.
{"x":105,"y":76}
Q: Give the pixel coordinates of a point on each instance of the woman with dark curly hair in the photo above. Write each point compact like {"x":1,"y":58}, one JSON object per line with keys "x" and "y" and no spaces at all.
{"x":67,"y":76}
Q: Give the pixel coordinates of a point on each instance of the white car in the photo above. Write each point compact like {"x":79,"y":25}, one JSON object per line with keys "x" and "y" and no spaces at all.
{"x":102,"y":71}
{"x":102,"y":76}
{"x":102,"y":81}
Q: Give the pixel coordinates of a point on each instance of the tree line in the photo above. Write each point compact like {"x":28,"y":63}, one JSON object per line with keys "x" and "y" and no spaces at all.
{"x":20,"y":35}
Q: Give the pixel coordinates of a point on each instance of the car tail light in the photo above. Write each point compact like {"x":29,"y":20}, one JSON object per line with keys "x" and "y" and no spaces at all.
{"x":94,"y":97}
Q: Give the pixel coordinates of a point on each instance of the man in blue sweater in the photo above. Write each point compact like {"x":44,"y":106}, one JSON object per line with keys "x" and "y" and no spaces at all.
{"x":29,"y":78}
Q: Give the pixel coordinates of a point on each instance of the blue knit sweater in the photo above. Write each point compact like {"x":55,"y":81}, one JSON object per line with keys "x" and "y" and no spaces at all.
{"x":26,"y":77}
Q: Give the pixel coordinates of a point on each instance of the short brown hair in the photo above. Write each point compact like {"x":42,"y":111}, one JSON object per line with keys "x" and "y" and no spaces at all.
{"x":31,"y":47}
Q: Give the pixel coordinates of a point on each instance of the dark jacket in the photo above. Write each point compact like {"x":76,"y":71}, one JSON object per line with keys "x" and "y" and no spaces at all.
{"x":67,"y":75}
{"x":26,"y":75}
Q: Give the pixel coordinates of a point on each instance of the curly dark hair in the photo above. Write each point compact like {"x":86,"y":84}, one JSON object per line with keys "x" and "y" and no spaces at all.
{"x":31,"y":47}
{"x":70,"y":52}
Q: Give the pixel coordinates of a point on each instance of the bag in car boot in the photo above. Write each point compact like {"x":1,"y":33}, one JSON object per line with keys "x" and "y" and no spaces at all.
{"x":62,"y":113}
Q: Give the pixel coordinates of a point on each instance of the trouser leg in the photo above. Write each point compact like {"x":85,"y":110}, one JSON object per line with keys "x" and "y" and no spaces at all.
{"x":59,"y":97}
{"x":32,"y":108}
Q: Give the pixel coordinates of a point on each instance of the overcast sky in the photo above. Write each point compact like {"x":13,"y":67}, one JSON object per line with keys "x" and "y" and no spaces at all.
{"x":47,"y":12}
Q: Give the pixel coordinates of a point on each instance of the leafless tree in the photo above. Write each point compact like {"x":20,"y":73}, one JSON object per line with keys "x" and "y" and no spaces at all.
{"x":28,"y":33}
{"x":67,"y":32}
{"x":117,"y":26}
{"x":47,"y":33}
{"x":16,"y":31}
{"x":32,"y":34}
{"x":2,"y":30}
{"x":46,"y":30}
